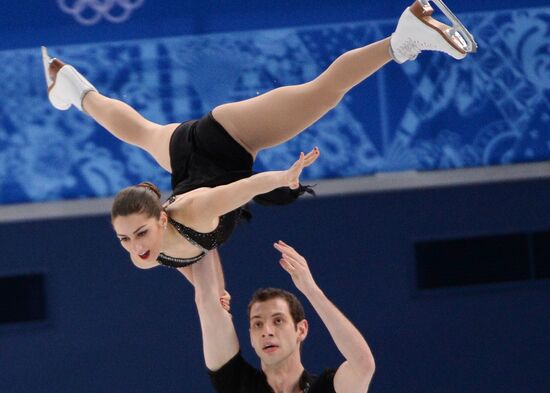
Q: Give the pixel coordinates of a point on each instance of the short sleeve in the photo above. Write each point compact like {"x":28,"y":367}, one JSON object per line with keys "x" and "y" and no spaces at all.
{"x":231,"y":377}
{"x":324,"y":383}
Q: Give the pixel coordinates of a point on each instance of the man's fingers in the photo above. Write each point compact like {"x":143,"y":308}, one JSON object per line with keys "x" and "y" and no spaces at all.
{"x":286,"y":252}
{"x":283,"y":244}
{"x":286,"y":266}
{"x":292,"y":257}
{"x":286,"y":249}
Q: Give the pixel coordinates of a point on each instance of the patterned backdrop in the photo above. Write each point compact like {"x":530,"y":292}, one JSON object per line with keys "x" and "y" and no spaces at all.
{"x":435,"y":113}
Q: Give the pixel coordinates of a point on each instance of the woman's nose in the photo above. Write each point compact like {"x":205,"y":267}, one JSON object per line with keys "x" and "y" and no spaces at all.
{"x":136,"y":246}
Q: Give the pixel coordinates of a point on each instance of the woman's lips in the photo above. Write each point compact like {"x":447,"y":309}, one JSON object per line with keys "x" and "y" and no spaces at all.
{"x":145,"y":255}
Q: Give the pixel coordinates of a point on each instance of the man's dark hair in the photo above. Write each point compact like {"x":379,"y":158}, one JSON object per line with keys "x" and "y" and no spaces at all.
{"x":295,"y":307}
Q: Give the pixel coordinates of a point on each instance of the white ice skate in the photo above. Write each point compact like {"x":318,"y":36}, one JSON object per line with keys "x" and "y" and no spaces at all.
{"x":417,"y":31}
{"x":66,"y":86}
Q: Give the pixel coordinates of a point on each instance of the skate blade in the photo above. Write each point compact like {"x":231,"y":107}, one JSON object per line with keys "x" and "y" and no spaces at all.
{"x":46,"y":60}
{"x":458,"y":32}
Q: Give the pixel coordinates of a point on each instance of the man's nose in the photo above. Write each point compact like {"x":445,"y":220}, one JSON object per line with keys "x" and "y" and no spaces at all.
{"x":267,"y":331}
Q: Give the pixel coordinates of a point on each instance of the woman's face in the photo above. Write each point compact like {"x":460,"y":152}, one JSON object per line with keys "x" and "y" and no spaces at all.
{"x":142,"y":236}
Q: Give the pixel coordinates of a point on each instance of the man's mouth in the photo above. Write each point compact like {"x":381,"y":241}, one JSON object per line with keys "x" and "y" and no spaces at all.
{"x":269,"y":348}
{"x":145,"y":255}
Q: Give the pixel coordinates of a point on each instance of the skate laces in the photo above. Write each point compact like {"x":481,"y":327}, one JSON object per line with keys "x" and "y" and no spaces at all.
{"x":410,"y":48}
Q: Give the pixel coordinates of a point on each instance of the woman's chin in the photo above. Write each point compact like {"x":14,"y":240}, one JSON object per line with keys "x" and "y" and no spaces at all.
{"x":148,"y":263}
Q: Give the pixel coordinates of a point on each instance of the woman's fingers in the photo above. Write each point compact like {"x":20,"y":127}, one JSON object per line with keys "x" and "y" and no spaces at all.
{"x":310,"y":162}
{"x":311,"y":156}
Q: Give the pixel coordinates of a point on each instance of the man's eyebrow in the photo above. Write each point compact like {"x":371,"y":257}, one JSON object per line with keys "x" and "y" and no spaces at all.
{"x":277,"y":314}
{"x":137,"y":230}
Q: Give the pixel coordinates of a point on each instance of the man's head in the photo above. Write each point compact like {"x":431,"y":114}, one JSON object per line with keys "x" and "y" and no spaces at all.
{"x":277,"y":325}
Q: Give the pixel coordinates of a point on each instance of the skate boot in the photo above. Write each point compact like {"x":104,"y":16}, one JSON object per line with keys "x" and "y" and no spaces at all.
{"x":417,"y":31}
{"x":66,"y":86}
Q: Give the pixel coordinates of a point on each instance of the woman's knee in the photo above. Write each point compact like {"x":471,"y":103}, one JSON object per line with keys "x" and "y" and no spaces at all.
{"x":325,"y":95}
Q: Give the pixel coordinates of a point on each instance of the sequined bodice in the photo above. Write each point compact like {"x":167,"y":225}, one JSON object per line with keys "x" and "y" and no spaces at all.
{"x":204,"y":241}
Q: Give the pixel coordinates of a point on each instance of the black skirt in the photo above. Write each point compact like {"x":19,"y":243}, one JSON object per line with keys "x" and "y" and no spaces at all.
{"x":203,"y":154}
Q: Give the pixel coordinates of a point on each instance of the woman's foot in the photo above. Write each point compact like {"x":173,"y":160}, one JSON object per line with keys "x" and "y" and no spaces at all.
{"x":417,"y":31}
{"x":66,"y":86}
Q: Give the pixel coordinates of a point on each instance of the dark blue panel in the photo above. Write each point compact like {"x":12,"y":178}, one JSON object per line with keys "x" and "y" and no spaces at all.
{"x":112,"y":327}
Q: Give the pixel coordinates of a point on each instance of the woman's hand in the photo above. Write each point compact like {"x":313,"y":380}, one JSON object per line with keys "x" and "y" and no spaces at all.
{"x":206,"y":205}
{"x":292,"y":174}
{"x":225,"y":301}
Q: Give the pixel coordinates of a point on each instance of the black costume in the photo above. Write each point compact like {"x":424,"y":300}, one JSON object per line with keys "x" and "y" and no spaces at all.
{"x":237,"y":376}
{"x":203,"y":154}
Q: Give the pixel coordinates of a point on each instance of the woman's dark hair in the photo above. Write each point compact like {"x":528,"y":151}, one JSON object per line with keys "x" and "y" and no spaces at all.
{"x":141,"y":198}
{"x":295,"y":307}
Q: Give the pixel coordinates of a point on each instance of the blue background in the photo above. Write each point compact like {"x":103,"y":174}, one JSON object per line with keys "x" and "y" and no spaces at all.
{"x":113,"y":328}
{"x":176,"y":61}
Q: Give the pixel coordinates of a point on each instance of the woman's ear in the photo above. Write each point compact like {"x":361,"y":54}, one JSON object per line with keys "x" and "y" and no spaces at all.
{"x":163,"y":220}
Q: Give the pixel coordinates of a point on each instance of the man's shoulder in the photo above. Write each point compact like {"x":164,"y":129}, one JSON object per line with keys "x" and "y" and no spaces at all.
{"x":236,"y":375}
{"x":236,"y":364}
{"x":321,"y":383}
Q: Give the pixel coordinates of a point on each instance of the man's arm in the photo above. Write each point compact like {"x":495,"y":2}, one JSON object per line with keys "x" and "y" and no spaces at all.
{"x":219,"y":338}
{"x":355,"y":374}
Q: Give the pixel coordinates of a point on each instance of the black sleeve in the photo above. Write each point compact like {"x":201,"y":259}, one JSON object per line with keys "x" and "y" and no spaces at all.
{"x":324,"y":383}
{"x":232,"y":375}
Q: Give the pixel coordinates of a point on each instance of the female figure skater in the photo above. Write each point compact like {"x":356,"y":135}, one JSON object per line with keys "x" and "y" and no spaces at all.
{"x":211,"y":158}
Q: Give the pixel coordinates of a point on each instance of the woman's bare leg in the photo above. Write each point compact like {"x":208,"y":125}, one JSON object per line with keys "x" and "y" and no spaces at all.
{"x":279,"y":115}
{"x":121,"y":120}
{"x":67,"y":87}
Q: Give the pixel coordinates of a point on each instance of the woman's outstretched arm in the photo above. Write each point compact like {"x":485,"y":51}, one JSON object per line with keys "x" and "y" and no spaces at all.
{"x":220,"y":200}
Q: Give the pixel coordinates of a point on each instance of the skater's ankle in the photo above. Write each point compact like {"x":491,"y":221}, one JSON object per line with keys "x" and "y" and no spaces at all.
{"x":87,"y":97}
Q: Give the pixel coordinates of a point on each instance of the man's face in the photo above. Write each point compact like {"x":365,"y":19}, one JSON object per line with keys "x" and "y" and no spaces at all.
{"x":272,"y":332}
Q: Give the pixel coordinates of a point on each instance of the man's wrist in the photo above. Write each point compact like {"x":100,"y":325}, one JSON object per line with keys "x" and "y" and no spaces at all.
{"x":312,"y":291}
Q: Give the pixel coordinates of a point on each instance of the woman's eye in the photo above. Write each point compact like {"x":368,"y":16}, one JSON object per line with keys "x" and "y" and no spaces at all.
{"x":123,"y":239}
{"x":141,"y":234}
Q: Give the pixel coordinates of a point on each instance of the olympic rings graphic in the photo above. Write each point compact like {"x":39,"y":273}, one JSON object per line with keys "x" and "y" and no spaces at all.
{"x":90,"y":12}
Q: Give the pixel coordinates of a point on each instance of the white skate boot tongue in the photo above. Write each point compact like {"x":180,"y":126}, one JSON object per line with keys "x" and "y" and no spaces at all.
{"x":413,"y":35}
